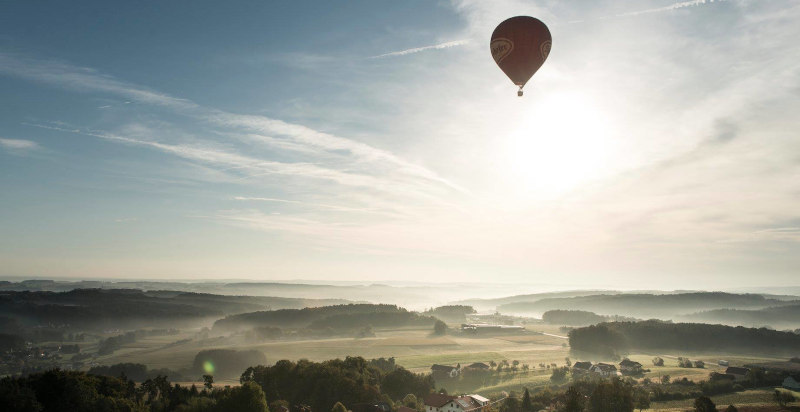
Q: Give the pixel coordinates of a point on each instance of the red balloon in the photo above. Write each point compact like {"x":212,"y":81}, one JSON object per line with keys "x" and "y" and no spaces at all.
{"x":520,"y":45}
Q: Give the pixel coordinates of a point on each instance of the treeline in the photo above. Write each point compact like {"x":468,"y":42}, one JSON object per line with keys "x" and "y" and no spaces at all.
{"x":350,"y":381}
{"x":451,"y":313}
{"x":57,"y":390}
{"x":137,"y":372}
{"x":646,"y":305}
{"x":614,"y":338}
{"x":226,"y":363}
{"x":336,"y":317}
{"x":579,"y":317}
{"x":107,"y":346}
{"x":778,"y":316}
{"x":572,"y":317}
{"x":98,"y":309}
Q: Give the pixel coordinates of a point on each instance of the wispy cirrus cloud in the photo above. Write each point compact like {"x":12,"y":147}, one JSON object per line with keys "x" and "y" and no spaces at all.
{"x":18,"y":144}
{"x":303,"y":138}
{"x":671,"y":7}
{"x":440,"y":46}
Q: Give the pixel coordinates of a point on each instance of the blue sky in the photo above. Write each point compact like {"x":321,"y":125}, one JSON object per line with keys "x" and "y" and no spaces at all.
{"x":371,"y":140}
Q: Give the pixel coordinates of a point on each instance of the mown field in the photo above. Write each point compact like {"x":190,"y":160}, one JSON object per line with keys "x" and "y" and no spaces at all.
{"x":417,"y":350}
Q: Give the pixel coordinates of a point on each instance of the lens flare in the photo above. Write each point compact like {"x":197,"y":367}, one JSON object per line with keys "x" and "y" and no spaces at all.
{"x":208,"y":367}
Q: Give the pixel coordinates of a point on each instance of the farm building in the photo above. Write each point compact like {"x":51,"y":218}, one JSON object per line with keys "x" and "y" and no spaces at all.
{"x":371,"y":407}
{"x":487,"y":328}
{"x":437,"y":402}
{"x":629,"y":366}
{"x":581,"y":367}
{"x":605,"y":369}
{"x":792,"y":383}
{"x":478,"y":365}
{"x":737,"y":372}
{"x":444,"y":371}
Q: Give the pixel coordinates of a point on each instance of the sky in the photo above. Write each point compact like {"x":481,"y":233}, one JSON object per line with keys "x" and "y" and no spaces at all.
{"x":657,"y":147}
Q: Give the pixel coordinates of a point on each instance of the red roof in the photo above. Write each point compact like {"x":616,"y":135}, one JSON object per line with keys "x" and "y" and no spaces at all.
{"x":437,"y":400}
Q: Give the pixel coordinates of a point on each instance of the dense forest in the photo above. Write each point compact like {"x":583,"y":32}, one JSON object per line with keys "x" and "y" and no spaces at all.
{"x":451,"y":313}
{"x":664,"y":306}
{"x":614,"y":338}
{"x":130,"y":308}
{"x":778,"y":316}
{"x":318,"y":385}
{"x":350,"y":381}
{"x":572,"y":317}
{"x":336,"y":317}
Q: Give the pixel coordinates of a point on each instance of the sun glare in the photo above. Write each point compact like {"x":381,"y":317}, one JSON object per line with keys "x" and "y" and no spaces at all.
{"x":562,"y":142}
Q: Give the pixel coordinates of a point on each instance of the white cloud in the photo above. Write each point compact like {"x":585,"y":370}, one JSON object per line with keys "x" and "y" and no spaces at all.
{"x":18,"y":144}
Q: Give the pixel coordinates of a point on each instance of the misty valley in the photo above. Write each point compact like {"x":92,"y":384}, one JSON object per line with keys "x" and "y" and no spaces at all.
{"x":175,"y":346}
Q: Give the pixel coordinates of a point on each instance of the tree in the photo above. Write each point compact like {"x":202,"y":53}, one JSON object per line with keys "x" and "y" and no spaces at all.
{"x":665,"y":379}
{"x":567,"y":361}
{"x":641,"y":399}
{"x":526,"y":401}
{"x":658,"y":361}
{"x":338,"y":407}
{"x":511,"y":404}
{"x":439,"y":328}
{"x":410,"y":400}
{"x":731,"y":408}
{"x":573,"y":401}
{"x":208,"y":381}
{"x":559,"y":374}
{"x":704,"y":404}
{"x":782,"y":398}
{"x":245,"y":398}
{"x":611,"y":396}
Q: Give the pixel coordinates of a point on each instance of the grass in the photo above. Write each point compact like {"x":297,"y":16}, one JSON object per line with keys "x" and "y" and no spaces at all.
{"x":754,"y":397}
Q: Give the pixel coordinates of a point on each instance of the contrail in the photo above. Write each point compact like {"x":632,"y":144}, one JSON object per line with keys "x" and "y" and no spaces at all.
{"x":445,"y":45}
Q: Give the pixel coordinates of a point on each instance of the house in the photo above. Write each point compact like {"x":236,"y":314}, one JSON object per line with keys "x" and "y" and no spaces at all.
{"x":480,"y":399}
{"x":478,"y":365}
{"x":604,"y":369}
{"x":437,"y":402}
{"x":630,"y":367}
{"x":444,"y":371}
{"x":738,"y":373}
{"x":792,"y":383}
{"x":371,"y":407}
{"x":723,"y":363}
{"x":581,"y":367}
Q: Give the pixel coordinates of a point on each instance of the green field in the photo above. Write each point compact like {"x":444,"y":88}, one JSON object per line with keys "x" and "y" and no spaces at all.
{"x":417,"y":350}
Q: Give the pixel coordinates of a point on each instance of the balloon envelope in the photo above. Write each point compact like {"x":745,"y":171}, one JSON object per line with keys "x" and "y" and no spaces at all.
{"x":520,"y":45}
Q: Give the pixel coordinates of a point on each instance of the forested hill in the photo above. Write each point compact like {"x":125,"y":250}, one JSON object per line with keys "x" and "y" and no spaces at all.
{"x":778,"y":317}
{"x":646,"y":305}
{"x":617,"y":338}
{"x":121,"y":308}
{"x":337,"y":316}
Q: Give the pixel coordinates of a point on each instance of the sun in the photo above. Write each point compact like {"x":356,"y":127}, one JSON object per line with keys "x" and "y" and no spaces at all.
{"x":561,"y":142}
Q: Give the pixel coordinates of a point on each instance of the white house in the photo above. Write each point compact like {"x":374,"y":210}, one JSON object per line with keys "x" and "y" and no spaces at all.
{"x":437,"y":402}
{"x":605,"y":369}
{"x":445,"y":371}
{"x":791,"y":383}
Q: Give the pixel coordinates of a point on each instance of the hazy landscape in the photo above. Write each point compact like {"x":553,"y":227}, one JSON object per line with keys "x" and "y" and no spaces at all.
{"x":400,"y":206}
{"x":172,"y":330}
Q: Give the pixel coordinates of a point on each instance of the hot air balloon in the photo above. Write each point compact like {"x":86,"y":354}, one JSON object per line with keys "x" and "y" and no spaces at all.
{"x":520,"y":46}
